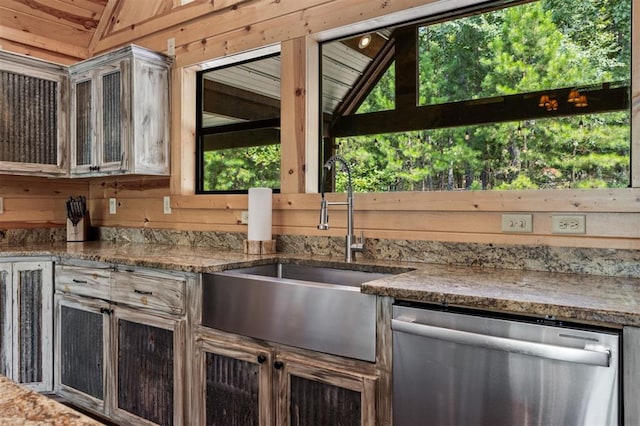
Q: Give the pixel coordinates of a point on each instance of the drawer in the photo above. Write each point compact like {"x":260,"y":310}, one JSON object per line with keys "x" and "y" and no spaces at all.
{"x":149,"y":289}
{"x":83,"y":281}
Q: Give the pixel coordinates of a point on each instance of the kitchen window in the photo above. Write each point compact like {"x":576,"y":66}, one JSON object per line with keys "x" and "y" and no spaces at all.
{"x":238,"y":125}
{"x":509,"y":95}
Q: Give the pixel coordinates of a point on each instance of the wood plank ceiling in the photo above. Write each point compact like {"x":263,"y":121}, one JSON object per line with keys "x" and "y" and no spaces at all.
{"x":66,"y":31}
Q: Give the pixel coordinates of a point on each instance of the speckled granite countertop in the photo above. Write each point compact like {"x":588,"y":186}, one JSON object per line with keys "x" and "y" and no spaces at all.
{"x":590,"y":298}
{"x":579,"y":297}
{"x":21,"y":406}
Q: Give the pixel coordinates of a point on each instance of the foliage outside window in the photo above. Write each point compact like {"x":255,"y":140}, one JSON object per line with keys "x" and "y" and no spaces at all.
{"x":238,"y":126}
{"x":493,"y":105}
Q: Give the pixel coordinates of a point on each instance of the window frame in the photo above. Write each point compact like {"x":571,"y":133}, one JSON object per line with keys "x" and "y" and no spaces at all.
{"x":458,"y":9}
{"x":201,"y":132}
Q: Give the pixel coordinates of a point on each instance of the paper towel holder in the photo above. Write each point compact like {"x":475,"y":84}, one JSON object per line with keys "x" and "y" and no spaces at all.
{"x":259,"y":237}
{"x":259,"y":247}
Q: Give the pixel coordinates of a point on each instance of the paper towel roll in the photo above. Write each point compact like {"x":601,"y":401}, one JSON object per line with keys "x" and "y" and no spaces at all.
{"x":259,"y":214}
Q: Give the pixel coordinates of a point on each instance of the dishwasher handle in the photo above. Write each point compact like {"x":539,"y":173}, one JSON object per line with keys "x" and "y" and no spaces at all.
{"x":597,"y":356}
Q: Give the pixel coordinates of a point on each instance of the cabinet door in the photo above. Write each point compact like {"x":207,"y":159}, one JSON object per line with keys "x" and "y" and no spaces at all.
{"x":82,"y":336}
{"x":33,"y":119}
{"x":33,"y":324}
{"x":237,"y":385}
{"x":148,"y":368}
{"x":313,"y":395}
{"x":99,"y":120}
{"x":82,"y":127}
{"x":6,"y":320}
{"x":112,"y":117}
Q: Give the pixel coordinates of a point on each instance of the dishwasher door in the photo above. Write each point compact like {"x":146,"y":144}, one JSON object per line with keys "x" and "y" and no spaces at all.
{"x":462,"y":369}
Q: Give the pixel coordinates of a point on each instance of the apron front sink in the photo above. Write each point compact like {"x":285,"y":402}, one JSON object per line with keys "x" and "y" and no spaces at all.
{"x":310,"y":307}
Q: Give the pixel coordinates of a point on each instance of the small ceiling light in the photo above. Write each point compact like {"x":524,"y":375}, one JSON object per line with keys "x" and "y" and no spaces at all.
{"x":581,"y":102}
{"x":544,"y":101}
{"x":365,"y":41}
{"x":574,"y":95}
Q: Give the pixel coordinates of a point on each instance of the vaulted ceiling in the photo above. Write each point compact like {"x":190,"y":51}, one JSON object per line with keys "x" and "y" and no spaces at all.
{"x":66,"y":31}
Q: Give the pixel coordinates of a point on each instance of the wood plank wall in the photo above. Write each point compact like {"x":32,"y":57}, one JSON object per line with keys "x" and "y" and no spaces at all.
{"x":37,"y":202}
{"x":208,"y":30}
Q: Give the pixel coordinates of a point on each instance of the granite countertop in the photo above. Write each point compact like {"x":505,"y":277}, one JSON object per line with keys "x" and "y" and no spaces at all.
{"x":589,"y":298}
{"x":22,"y":406}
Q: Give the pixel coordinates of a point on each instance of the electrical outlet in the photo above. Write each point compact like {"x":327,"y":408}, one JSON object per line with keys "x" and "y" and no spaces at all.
{"x":521,"y":223}
{"x":171,"y":47}
{"x":166,"y":203}
{"x":244,"y":217}
{"x":568,"y":224}
{"x":112,"y":206}
{"x":1,"y":205}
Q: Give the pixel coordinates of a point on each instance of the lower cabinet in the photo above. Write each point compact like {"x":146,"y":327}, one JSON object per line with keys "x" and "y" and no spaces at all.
{"x":252,"y":384}
{"x":121,"y":353}
{"x":26,"y":318}
{"x":119,"y":362}
{"x":82,"y":340}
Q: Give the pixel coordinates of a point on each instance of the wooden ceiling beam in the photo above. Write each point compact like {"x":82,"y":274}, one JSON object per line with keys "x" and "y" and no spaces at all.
{"x":478,"y":112}
{"x":43,"y":43}
{"x":233,"y":102}
{"x":64,"y":13}
{"x":102,"y":25}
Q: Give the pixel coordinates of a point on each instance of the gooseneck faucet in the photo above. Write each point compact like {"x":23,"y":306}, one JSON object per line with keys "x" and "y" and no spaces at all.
{"x":351,"y":245}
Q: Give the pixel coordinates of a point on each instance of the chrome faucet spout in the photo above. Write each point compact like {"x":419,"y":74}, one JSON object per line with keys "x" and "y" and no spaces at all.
{"x":351,"y":245}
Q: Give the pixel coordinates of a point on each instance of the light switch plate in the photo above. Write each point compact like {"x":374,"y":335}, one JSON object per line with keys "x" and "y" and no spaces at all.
{"x":1,"y":205}
{"x":112,"y":206}
{"x":166,"y":204}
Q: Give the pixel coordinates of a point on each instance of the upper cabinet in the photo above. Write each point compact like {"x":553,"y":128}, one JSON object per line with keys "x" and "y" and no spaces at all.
{"x":120,"y":114}
{"x":34,"y":115}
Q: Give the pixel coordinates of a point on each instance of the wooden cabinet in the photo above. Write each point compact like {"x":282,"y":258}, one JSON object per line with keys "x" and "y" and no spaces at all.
{"x":120,"y":114}
{"x":26,"y":316}
{"x":33,"y":124}
{"x":243,"y":382}
{"x":121,"y":352}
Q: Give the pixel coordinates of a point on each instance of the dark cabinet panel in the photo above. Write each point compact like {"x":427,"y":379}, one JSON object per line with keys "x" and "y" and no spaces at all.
{"x":145,"y":371}
{"x":30,"y":326}
{"x":317,"y":403}
{"x":29,"y":123}
{"x":84,"y":124}
{"x":111,"y":118}
{"x":82,"y":351}
{"x":231,"y":391}
{"x":5,"y":322}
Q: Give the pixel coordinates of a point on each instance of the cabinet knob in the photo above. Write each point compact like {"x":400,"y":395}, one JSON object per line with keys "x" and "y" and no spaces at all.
{"x":278,"y":365}
{"x":262,"y":358}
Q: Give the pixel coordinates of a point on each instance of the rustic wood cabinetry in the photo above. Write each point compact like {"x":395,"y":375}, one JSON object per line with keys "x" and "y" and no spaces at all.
{"x":243,"y":382}
{"x":26,"y":317}
{"x":120,"y":338}
{"x":33,"y":124}
{"x":120,"y":114}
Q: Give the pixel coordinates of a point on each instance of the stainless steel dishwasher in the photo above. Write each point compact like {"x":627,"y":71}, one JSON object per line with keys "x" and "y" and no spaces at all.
{"x":452,"y":368}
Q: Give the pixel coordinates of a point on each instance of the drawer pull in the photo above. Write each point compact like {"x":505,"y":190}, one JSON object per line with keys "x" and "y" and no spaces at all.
{"x":79,"y":281}
{"x":147,"y":293}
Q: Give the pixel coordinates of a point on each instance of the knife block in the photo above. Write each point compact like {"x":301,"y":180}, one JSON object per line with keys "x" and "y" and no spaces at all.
{"x":79,"y":232}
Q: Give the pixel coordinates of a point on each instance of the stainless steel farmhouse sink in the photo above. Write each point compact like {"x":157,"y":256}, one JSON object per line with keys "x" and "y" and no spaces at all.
{"x":312,"y":307}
